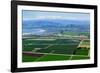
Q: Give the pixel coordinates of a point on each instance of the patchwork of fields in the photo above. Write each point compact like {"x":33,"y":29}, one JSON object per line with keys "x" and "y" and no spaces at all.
{"x":35,"y":50}
{"x":55,"y":35}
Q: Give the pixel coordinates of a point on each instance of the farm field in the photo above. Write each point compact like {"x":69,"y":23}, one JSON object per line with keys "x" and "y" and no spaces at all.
{"x":54,"y":49}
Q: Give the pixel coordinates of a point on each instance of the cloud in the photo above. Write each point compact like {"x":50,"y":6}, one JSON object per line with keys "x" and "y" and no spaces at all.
{"x":55,"y":17}
{"x":36,"y":15}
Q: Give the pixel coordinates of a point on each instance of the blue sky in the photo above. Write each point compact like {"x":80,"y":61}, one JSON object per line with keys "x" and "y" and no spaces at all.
{"x":40,"y":15}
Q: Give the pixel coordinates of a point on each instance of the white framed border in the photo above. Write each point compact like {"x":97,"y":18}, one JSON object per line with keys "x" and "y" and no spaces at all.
{"x":52,"y":63}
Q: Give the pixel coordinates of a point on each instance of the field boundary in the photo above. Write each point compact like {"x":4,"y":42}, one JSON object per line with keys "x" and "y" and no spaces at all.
{"x":56,"y":54}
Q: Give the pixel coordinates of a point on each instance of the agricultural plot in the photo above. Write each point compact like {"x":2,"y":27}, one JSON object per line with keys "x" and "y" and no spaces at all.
{"x":85,"y":43}
{"x":83,"y":47}
{"x":54,"y":50}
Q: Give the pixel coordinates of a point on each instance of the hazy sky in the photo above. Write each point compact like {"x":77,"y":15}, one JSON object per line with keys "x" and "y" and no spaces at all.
{"x":36,"y":15}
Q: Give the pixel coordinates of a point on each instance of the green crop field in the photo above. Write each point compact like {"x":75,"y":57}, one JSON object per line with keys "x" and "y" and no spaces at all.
{"x":54,"y":49}
{"x":59,"y":49}
{"x":53,"y":57}
{"x":27,"y":58}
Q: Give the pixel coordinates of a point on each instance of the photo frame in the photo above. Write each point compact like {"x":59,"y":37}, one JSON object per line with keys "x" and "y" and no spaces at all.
{"x":52,"y":36}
